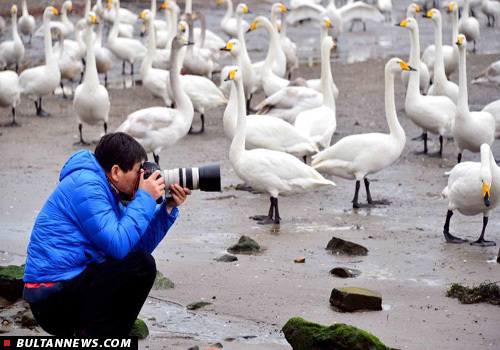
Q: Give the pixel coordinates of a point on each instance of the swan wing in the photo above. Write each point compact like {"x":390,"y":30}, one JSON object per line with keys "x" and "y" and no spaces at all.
{"x":289,"y":97}
{"x":302,"y":10}
{"x":203,"y":91}
{"x":360,"y":11}
{"x":490,"y":74}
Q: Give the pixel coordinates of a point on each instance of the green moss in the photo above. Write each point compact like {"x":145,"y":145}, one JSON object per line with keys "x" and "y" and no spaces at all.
{"x":12,"y":271}
{"x":304,"y":335}
{"x":245,"y":245}
{"x":140,"y":329}
{"x":197,"y":305}
{"x":486,"y":292}
{"x":161,"y":282}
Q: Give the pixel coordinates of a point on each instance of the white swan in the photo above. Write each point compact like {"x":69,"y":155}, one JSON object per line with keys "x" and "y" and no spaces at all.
{"x":246,"y":64}
{"x":9,"y":93}
{"x":125,"y":30}
{"x":125,"y":49}
{"x":12,"y":51}
{"x":65,"y":25}
{"x":3,"y":26}
{"x":70,"y":67}
{"x":473,"y":188}
{"x":412,"y":10}
{"x":26,"y":22}
{"x":162,"y":55}
{"x":91,"y":102}
{"x":449,"y":52}
{"x":197,"y":60}
{"x":204,"y":37}
{"x":433,"y":114}
{"x":468,"y":25}
{"x":126,"y":16}
{"x":471,"y":129}
{"x":275,"y":54}
{"x":490,"y":76}
{"x":441,"y":86}
{"x":320,"y":123}
{"x":425,"y":77}
{"x":491,"y":9}
{"x":288,"y":46}
{"x":40,"y":81}
{"x":157,"y":128}
{"x":493,"y":108}
{"x":275,"y":173}
{"x":263,"y":131}
{"x":228,"y":23}
{"x":103,"y":57}
{"x":357,"y":156}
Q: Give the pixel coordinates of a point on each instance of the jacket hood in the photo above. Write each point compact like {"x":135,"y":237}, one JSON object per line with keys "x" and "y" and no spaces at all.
{"x":81,"y":160}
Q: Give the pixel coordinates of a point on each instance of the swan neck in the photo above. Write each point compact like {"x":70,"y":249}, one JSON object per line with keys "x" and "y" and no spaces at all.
{"x":229,"y":10}
{"x":238,"y":144}
{"x":188,"y":7}
{"x":463,"y":98}
{"x":153,"y":7}
{"x":454,"y":27}
{"x":171,"y":17}
{"x":116,"y":24}
{"x":465,"y":10}
{"x":203,"y":30}
{"x":148,"y":60}
{"x":390,"y":108}
{"x":91,"y":67}
{"x":326,"y":78}
{"x":47,"y":41}
{"x":240,"y":33}
{"x":414,"y":80}
{"x":438,"y":38}
{"x":87,"y":7}
{"x":15,"y":33}
{"x":98,"y":37}
{"x":181,"y":99}
{"x":274,"y":47}
{"x":25,"y":8}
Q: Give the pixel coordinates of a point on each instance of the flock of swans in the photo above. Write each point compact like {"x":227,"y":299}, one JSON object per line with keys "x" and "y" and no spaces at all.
{"x":296,"y":119}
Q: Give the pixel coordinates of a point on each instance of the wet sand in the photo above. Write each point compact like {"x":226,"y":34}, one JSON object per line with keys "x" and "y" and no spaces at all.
{"x":408,"y":262}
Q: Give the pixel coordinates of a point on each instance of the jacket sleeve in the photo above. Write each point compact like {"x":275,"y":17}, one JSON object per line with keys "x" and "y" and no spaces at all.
{"x":157,"y":229}
{"x":98,"y":220}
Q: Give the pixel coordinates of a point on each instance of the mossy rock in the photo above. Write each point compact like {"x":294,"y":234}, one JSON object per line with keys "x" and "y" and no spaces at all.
{"x":162,"y":283}
{"x":28,"y":320}
{"x":197,"y":305}
{"x":140,"y":329}
{"x":244,"y":245}
{"x":226,"y":258}
{"x":340,"y":246}
{"x":354,"y":299}
{"x":304,"y":335}
{"x":484,"y":293}
{"x":11,"y":282}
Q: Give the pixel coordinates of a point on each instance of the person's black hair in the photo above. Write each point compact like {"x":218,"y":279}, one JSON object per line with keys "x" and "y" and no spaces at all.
{"x":120,"y":149}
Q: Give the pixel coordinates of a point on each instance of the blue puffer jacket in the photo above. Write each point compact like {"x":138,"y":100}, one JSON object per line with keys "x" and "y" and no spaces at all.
{"x":83,"y":222}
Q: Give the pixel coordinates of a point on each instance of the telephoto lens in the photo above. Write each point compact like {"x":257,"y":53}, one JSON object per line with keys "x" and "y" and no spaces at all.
{"x":205,"y":178}
{"x":150,"y":168}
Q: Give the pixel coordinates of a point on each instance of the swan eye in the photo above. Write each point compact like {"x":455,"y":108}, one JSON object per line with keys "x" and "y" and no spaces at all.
{"x":417,"y":8}
{"x":404,"y":23}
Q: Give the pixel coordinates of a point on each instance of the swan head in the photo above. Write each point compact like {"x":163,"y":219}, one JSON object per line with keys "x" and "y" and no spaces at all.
{"x":50,"y":12}
{"x":452,"y":7}
{"x":328,"y":43}
{"x":433,"y":14}
{"x":67,"y":7}
{"x":115,"y":3}
{"x":219,"y":3}
{"x":485,"y":173}
{"x":242,"y":9}
{"x":91,"y":18}
{"x":233,"y":46}
{"x":461,"y":42}
{"x":13,"y":9}
{"x":234,"y":74}
{"x":414,"y":9}
{"x":259,"y":22}
{"x":178,"y":42}
{"x":396,"y":65}
{"x":326,"y":23}
{"x":146,"y":15}
{"x":410,"y":23}
{"x":182,"y":28}
{"x":278,"y":7}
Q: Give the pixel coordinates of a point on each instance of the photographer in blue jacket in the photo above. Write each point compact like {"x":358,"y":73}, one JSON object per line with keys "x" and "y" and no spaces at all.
{"x":89,"y":267}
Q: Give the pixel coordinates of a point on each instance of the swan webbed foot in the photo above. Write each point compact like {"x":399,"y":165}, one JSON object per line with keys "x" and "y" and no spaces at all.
{"x":436,"y":155}
{"x":419,"y":138}
{"x":248,"y":188}
{"x":481,"y":242}
{"x":268,"y":221}
{"x":261,"y":217}
{"x":42,"y":113}
{"x":380,"y":202}
{"x":81,"y":143}
{"x":452,"y":239}
{"x":13,"y":123}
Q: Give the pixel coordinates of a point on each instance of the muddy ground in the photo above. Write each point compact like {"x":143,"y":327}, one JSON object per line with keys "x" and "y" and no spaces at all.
{"x":408,"y":262}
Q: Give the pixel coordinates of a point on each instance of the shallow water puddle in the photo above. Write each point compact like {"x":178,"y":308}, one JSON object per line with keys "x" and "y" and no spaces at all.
{"x":166,"y":317}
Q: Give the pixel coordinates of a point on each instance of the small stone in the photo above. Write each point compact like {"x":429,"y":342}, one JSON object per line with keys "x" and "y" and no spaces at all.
{"x":337,"y":245}
{"x":162,"y":283}
{"x":304,"y":335}
{"x":197,"y":305}
{"x":218,"y":345}
{"x":244,"y":245}
{"x":226,"y":258}
{"x":28,"y":320}
{"x":345,"y":272}
{"x":194,"y":348}
{"x":140,"y":329}
{"x":11,"y":282}
{"x":353,"y":299}
{"x":300,"y":260}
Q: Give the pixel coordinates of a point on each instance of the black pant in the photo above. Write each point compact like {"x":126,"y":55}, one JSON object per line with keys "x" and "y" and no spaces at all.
{"x":103,"y":301}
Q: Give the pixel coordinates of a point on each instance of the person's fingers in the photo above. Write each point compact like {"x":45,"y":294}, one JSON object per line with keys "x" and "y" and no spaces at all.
{"x":155,"y":175}
{"x":187,"y":190}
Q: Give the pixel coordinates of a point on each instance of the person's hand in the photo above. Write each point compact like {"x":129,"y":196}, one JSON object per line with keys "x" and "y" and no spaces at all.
{"x":179,"y":195}
{"x":153,"y":185}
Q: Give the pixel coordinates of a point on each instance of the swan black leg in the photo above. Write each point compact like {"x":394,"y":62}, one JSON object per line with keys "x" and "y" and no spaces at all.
{"x":106,"y":79}
{"x":39,"y":111}
{"x":105,"y":128}
{"x":424,"y":137}
{"x":156,"y":158}
{"x":191,"y":131}
{"x":14,"y":123}
{"x":369,"y":196}
{"x":305,"y":159}
{"x":248,"y":103}
{"x":30,"y":39}
{"x":480,"y":241}
{"x":64,"y":97}
{"x":439,"y":154}
{"x":269,"y":219}
{"x":355,"y":203}
{"x":132,"y":68}
{"x":419,"y":138}
{"x":459,"y":158}
{"x":123,"y":68}
{"x":81,"y":142}
{"x":449,"y":237}
{"x":265,"y":218}
{"x":17,"y":66}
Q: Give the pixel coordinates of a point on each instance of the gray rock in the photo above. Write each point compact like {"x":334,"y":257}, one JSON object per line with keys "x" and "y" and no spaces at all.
{"x":345,"y":272}
{"x":226,"y":258}
{"x":28,"y":320}
{"x":195,"y":348}
{"x":11,"y":282}
{"x":162,"y":283}
{"x":244,"y":245}
{"x":354,"y":299}
{"x":197,"y":305}
{"x":339,"y":246}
